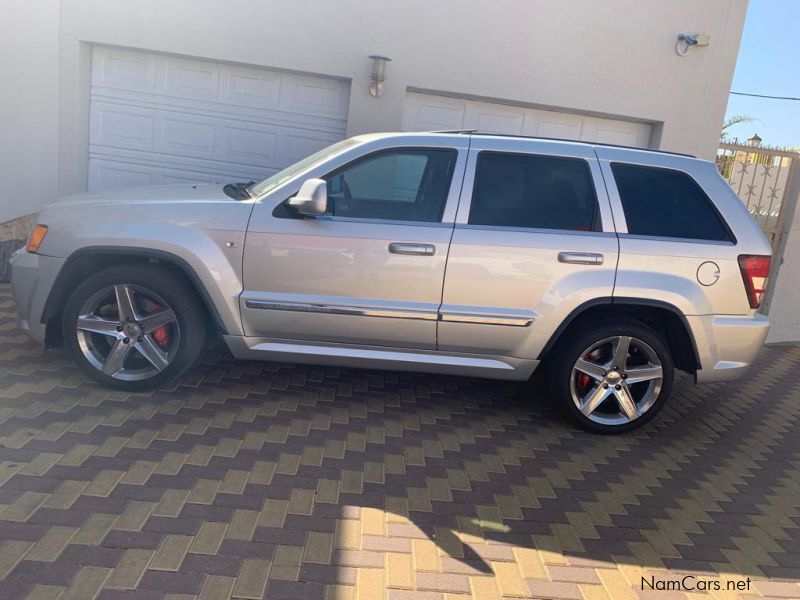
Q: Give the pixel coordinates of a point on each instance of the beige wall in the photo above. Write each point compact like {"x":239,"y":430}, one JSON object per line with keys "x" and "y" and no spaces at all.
{"x":28,"y":105}
{"x":784,"y":310}
{"x":611,"y":58}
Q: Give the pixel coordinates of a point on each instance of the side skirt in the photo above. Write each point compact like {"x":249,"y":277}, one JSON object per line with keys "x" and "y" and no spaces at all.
{"x":376,"y":357}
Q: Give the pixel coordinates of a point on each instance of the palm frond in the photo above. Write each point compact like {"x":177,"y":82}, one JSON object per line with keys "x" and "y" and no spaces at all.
{"x":736,"y":120}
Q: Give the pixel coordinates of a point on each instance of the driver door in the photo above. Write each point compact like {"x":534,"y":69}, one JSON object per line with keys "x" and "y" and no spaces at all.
{"x":370,"y":271}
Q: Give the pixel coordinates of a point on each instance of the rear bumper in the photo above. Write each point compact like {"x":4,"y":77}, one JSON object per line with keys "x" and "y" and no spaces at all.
{"x":32,"y":277}
{"x":727,"y":345}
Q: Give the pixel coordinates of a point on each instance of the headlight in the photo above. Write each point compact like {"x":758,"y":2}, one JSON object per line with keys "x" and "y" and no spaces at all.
{"x":37,"y":237}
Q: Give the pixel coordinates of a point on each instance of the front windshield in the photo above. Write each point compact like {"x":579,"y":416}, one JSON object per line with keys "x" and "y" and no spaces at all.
{"x":286,"y":174}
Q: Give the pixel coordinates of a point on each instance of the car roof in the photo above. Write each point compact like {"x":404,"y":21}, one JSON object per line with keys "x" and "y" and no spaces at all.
{"x":474,"y":133}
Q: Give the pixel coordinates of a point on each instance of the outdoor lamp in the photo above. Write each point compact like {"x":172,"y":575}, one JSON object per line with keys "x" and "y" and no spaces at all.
{"x":378,"y":75}
{"x":754,"y":141}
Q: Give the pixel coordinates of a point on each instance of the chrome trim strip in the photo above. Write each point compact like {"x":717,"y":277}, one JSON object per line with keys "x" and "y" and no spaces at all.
{"x":658,"y":238}
{"x":535,"y":230}
{"x":358,"y":311}
{"x":484,"y":319}
{"x":454,"y":316}
{"x":334,"y":218}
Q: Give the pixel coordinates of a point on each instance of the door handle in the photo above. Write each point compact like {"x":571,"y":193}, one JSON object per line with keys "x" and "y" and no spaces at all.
{"x":580,"y":258}
{"x":418,"y":249}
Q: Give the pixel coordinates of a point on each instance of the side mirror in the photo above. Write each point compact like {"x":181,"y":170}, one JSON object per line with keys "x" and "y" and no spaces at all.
{"x":312,"y":199}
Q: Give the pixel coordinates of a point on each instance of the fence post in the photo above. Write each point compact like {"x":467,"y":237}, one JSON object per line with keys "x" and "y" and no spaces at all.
{"x":788,"y":208}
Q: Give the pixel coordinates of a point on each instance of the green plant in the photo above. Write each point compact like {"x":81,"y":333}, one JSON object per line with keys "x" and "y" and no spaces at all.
{"x":735,"y":120}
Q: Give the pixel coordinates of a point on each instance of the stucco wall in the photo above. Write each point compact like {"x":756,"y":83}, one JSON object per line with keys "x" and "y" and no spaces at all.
{"x":784,"y":310}
{"x":613,"y":58}
{"x":28,"y":105}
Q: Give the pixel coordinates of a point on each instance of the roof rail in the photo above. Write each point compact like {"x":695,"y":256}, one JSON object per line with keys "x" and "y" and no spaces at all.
{"x":552,"y":139}
{"x":455,"y":131}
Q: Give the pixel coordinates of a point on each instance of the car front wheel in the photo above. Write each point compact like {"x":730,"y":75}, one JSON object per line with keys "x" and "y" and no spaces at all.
{"x":612,"y":377}
{"x":134,"y":327}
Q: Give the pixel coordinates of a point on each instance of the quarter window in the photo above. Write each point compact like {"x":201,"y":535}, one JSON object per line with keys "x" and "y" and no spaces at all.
{"x":666,"y":203}
{"x":399,"y":185}
{"x":533,"y":191}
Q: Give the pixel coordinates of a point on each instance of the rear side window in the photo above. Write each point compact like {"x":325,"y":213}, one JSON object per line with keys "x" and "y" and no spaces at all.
{"x":526,"y":190}
{"x":667,"y":203}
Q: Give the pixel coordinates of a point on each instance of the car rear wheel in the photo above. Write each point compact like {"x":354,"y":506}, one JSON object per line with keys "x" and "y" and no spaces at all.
{"x":612,"y":377}
{"x":135,"y":327}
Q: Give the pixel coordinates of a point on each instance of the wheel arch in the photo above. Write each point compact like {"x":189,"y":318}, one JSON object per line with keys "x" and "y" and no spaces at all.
{"x":86,"y":261}
{"x":661,"y":316}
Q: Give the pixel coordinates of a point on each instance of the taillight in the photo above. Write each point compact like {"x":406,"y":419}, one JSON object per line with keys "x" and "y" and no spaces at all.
{"x":755,"y":271}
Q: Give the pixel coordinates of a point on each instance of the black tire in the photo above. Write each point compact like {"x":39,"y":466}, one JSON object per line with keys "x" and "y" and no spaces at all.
{"x":573,"y":346}
{"x":170,"y":286}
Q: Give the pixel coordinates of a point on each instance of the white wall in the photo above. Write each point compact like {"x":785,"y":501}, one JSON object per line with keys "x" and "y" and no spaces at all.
{"x":28,"y":105}
{"x":612,"y":58}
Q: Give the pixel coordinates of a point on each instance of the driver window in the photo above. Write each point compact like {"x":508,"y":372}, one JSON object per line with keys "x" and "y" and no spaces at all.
{"x":397,"y":185}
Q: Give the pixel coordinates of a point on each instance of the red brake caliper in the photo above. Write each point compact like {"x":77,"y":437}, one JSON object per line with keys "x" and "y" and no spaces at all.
{"x":161,"y":335}
{"x":583,"y":380}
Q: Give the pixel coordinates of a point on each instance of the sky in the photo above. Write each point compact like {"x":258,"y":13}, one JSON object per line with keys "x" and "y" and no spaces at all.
{"x":769,"y":63}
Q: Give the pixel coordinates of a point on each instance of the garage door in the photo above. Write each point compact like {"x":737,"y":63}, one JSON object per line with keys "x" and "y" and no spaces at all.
{"x":430,"y":112}
{"x":162,"y":119}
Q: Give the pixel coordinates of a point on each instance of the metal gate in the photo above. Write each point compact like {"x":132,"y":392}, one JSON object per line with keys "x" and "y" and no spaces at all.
{"x":766,"y":180}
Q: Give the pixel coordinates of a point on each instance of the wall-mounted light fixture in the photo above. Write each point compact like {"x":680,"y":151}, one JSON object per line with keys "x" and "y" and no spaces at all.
{"x":687,"y":40}
{"x":378,"y":75}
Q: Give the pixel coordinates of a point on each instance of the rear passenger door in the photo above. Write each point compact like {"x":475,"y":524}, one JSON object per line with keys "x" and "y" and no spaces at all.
{"x":533,"y":240}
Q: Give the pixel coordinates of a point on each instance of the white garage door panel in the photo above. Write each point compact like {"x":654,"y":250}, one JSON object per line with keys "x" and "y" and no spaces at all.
{"x":430,"y":112}
{"x":161,"y":119}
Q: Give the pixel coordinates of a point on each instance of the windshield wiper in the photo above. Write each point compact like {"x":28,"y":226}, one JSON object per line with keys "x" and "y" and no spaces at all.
{"x":246,"y":189}
{"x":239,"y":191}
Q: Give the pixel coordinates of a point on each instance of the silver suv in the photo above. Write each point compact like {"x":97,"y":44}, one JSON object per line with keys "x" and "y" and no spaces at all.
{"x":457,"y":253}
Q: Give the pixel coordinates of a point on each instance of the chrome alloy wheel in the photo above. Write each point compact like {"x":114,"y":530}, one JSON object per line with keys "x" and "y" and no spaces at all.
{"x":127,"y":332}
{"x":616,"y":380}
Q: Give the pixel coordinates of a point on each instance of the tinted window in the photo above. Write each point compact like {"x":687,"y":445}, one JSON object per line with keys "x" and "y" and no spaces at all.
{"x":666,"y":203}
{"x":523,"y":190}
{"x":404,"y":185}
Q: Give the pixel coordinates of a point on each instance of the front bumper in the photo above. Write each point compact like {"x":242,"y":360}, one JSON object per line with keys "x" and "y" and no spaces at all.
{"x":32,"y":277}
{"x":727,"y":345}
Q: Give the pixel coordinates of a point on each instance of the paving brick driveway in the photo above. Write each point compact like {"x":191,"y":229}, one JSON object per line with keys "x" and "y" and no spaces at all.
{"x":259,"y":480}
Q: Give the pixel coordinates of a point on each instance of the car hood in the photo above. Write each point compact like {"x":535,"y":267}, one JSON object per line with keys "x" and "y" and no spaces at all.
{"x":198,"y":192}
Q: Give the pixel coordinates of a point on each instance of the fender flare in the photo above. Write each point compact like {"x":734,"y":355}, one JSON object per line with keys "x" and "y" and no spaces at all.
{"x":60,"y":284}
{"x":612,"y":300}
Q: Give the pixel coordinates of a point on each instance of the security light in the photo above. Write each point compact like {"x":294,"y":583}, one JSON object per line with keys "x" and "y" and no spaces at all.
{"x":378,"y":74}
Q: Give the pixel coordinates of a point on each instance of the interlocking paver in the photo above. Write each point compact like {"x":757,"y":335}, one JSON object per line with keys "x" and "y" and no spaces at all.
{"x":131,"y":567}
{"x":50,"y":546}
{"x":252,"y":579}
{"x":251,"y":480}
{"x":171,"y":552}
